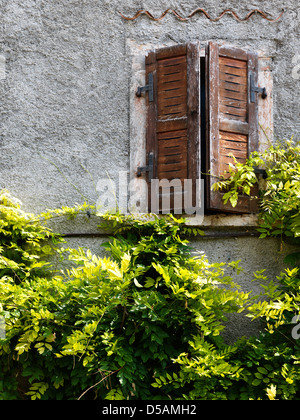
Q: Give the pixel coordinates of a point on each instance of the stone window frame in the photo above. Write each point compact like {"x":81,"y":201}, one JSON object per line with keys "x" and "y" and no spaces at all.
{"x":138,"y":124}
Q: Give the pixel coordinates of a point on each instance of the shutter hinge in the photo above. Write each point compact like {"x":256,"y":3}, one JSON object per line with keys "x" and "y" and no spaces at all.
{"x":148,"y":88}
{"x":149,"y":168}
{"x":255,"y":89}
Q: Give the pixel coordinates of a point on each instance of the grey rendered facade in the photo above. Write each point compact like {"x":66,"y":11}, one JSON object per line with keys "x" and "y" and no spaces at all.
{"x":69,"y":115}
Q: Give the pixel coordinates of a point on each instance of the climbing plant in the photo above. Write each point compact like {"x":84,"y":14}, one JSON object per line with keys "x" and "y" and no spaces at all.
{"x":143,"y":322}
{"x":279,"y":193}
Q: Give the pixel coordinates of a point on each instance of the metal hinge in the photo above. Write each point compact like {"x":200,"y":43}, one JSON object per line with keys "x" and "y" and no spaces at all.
{"x":255,"y":89}
{"x":149,"y":168}
{"x":148,"y":88}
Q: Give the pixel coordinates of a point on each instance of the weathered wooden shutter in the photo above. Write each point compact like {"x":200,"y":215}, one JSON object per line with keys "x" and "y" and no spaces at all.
{"x":173,"y":130}
{"x":232,"y":117}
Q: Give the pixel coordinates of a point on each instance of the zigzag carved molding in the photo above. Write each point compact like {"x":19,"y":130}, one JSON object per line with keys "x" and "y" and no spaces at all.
{"x":202,"y":11}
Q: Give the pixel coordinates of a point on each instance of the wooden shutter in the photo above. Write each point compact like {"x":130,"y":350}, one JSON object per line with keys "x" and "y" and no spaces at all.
{"x":232,"y":119}
{"x":173,"y":130}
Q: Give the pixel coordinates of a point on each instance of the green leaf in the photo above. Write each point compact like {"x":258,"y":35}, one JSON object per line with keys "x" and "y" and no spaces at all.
{"x":234,"y":200}
{"x":262,"y":370}
{"x":125,"y":263}
{"x":137,"y":283}
{"x":256,"y":382}
{"x":149,"y":282}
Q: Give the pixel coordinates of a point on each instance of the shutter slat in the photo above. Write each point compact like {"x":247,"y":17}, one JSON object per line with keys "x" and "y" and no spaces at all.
{"x":167,"y":126}
{"x":173,"y":136}
{"x":232,"y":94}
{"x":233,"y":62}
{"x":235,"y":87}
{"x":232,"y":119}
{"x":225,"y":155}
{"x":233,"y":145}
{"x":232,"y":78}
{"x":172,"y":111}
{"x":231,"y":126}
{"x":173,"y":101}
{"x":231,"y":70}
{"x":234,"y":103}
{"x":233,"y":137}
{"x":237,"y":113}
{"x":173,"y":173}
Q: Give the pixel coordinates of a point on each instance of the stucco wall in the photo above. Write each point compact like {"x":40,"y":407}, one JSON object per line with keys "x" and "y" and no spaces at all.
{"x":66,"y":82}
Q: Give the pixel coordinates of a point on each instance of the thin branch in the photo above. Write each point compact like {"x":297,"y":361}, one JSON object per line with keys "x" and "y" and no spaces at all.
{"x":98,"y":383}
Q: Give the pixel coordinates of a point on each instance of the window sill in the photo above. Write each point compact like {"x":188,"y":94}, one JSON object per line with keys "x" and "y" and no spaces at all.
{"x":224,"y":220}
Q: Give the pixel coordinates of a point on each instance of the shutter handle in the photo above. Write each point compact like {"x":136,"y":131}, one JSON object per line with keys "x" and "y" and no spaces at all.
{"x":255,"y":89}
{"x":149,"y":168}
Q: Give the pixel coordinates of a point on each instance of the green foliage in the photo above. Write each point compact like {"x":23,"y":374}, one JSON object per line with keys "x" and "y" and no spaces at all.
{"x":24,"y":241}
{"x":279,"y":194}
{"x":68,"y":212}
{"x":262,"y":367}
{"x":107,"y":327}
{"x":145,"y":322}
{"x":239,"y":180}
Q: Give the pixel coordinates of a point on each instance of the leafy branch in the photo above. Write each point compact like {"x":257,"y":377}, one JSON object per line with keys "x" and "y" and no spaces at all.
{"x":279,"y":193}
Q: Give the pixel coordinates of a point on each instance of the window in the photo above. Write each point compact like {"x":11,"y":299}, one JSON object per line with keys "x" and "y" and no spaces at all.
{"x":201,"y":109}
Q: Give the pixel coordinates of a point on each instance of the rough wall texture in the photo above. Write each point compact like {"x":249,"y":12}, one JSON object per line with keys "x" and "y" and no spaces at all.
{"x":66,"y":71}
